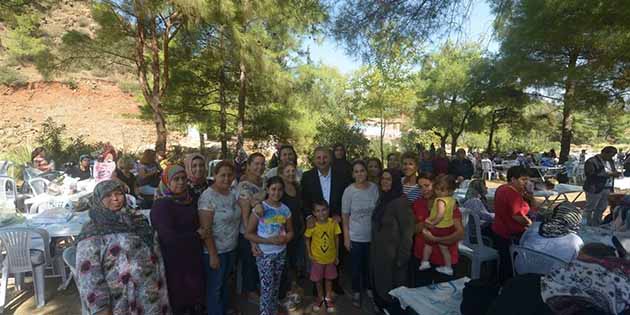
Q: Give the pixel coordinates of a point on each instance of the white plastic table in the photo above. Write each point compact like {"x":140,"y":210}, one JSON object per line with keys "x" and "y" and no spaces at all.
{"x":436,"y":299}
{"x":559,"y":191}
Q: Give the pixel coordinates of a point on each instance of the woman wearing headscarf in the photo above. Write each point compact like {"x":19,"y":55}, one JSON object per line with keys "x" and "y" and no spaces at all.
{"x":556,"y":236}
{"x":621,"y":215}
{"x":390,"y":249}
{"x":340,"y":163}
{"x":476,"y":200}
{"x":119,"y":263}
{"x":174,"y":217}
{"x":197,"y":174}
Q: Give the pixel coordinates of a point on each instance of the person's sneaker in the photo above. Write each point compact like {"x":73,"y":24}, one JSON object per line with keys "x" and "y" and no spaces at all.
{"x":445,"y":270}
{"x":317,"y":304}
{"x":356,"y":300}
{"x":295,"y":298}
{"x":425,"y":265}
{"x":330,"y":306}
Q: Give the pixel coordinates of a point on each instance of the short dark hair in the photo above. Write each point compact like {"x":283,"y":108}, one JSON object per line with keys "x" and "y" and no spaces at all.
{"x":275,"y":180}
{"x":425,"y":175}
{"x":516,"y":172}
{"x":409,"y":156}
{"x":222,"y":164}
{"x":359,"y":162}
{"x":320,"y":202}
{"x":396,"y":154}
{"x":253,"y":156}
{"x":609,"y":150}
{"x":377,"y":160}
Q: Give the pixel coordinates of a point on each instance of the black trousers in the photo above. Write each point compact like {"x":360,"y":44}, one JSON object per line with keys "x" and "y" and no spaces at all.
{"x":502,"y":245}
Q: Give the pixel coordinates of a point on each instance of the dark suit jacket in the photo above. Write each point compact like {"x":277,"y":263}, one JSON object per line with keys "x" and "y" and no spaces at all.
{"x":312,"y":190}
{"x":595,"y":173}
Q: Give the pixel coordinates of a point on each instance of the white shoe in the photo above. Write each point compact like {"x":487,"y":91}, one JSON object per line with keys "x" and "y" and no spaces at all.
{"x":370,"y":294}
{"x":445,"y":270}
{"x":425,"y":265}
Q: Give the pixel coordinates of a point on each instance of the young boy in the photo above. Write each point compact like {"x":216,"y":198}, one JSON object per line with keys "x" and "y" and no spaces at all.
{"x":322,"y":242}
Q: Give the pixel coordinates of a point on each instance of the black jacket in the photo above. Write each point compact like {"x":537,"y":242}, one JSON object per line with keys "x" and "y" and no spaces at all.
{"x":595,"y":173}
{"x":312,"y":190}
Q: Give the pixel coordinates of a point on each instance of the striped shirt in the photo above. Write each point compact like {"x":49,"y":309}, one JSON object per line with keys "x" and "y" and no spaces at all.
{"x":412,"y":192}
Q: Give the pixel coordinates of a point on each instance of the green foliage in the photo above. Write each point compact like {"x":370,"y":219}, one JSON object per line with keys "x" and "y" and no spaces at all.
{"x":24,"y":41}
{"x":19,"y":155}
{"x":61,"y":149}
{"x":330,"y":132}
{"x":409,"y":139}
{"x":9,"y":76}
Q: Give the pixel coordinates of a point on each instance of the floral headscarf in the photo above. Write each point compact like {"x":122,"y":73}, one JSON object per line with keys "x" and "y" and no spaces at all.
{"x":105,"y":221}
{"x":163,"y":191}
{"x":188,"y":161}
{"x":592,"y":282}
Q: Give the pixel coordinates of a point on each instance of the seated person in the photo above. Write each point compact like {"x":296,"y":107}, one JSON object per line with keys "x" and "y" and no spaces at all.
{"x":477,"y":201}
{"x":123,"y":173}
{"x":82,"y":171}
{"x":621,"y":215}
{"x":556,"y":236}
{"x":596,"y":283}
{"x":38,"y":158}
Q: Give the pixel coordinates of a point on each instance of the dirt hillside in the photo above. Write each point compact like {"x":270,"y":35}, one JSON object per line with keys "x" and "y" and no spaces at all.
{"x":99,"y":110}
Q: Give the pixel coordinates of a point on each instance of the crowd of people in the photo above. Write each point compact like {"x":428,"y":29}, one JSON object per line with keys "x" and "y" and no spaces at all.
{"x":378,"y":227}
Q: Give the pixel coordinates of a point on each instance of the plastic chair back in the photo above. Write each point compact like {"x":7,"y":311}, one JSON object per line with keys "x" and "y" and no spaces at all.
{"x":486,"y":165}
{"x":38,"y":185}
{"x":525,"y":260}
{"x":17,"y":243}
{"x":54,"y":203}
{"x":472,"y":224}
{"x":4,"y":167}
{"x":8,"y":190}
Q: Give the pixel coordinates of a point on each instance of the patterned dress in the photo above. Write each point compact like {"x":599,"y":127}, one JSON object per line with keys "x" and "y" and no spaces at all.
{"x":121,"y":272}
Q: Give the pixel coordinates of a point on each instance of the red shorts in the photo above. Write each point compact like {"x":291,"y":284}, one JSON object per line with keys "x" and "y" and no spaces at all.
{"x":319,"y":272}
{"x":440,"y":232}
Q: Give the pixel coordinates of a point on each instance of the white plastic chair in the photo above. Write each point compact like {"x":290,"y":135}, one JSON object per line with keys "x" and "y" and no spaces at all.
{"x":21,"y":258}
{"x":38,"y":185}
{"x":488,"y":169}
{"x":476,"y":251}
{"x":53,"y":203}
{"x":70,"y":258}
{"x":8,"y":192}
{"x":525,"y":260}
{"x":4,"y":167}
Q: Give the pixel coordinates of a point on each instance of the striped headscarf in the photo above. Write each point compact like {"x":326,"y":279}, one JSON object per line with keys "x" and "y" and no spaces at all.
{"x":565,"y":219}
{"x":163,"y":190}
{"x":188,"y":161}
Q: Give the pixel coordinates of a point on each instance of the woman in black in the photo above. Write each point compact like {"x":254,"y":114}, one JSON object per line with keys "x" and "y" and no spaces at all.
{"x":123,"y":173}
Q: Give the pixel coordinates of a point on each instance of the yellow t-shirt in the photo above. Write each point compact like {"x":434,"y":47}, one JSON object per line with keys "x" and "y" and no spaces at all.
{"x":447,"y":221}
{"x":323,"y":245}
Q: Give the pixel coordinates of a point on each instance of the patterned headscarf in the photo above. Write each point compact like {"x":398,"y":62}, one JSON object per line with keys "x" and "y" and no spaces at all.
{"x":188,"y":165}
{"x":386,"y":197}
{"x":104,"y":221}
{"x":163,"y":191}
{"x":477,"y":189}
{"x":587,"y":283}
{"x":565,"y":219}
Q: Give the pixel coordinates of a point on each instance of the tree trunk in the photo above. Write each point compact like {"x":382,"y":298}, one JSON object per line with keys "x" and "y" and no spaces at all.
{"x":160,"y":126}
{"x":223,"y":115}
{"x":454,"y":138}
{"x":241,"y":108}
{"x":202,"y":143}
{"x":493,"y":124}
{"x":567,"y":110}
{"x":382,"y":136}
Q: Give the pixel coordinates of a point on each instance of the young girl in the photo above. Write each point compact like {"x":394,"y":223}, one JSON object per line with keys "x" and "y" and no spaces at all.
{"x":440,"y":221}
{"x":322,"y":242}
{"x":271,"y":231}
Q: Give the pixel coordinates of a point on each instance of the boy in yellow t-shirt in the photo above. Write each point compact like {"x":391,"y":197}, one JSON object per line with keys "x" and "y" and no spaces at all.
{"x":322,"y":242}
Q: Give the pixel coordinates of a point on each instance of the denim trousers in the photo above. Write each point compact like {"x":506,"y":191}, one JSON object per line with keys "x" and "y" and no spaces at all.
{"x":218,"y":294}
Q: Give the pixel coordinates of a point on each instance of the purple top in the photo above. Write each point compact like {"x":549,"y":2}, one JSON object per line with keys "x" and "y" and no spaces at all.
{"x":176,"y":225}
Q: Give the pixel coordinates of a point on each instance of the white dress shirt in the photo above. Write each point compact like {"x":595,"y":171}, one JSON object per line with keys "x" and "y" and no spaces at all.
{"x":325,"y":181}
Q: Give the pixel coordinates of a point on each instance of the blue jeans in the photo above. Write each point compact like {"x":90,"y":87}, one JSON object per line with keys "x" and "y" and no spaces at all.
{"x":217,"y":294}
{"x":249,"y":272}
{"x":360,"y":261}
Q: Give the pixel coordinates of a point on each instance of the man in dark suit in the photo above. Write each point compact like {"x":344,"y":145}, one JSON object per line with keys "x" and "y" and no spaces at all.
{"x":322,"y":182}
{"x":600,"y":172}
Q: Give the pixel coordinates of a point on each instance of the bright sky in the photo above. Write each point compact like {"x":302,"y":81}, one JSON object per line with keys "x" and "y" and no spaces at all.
{"x":478,"y":28}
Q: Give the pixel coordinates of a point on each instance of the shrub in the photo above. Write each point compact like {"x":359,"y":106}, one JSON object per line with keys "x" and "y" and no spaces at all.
{"x":330,"y":132}
{"x":11,"y":77}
